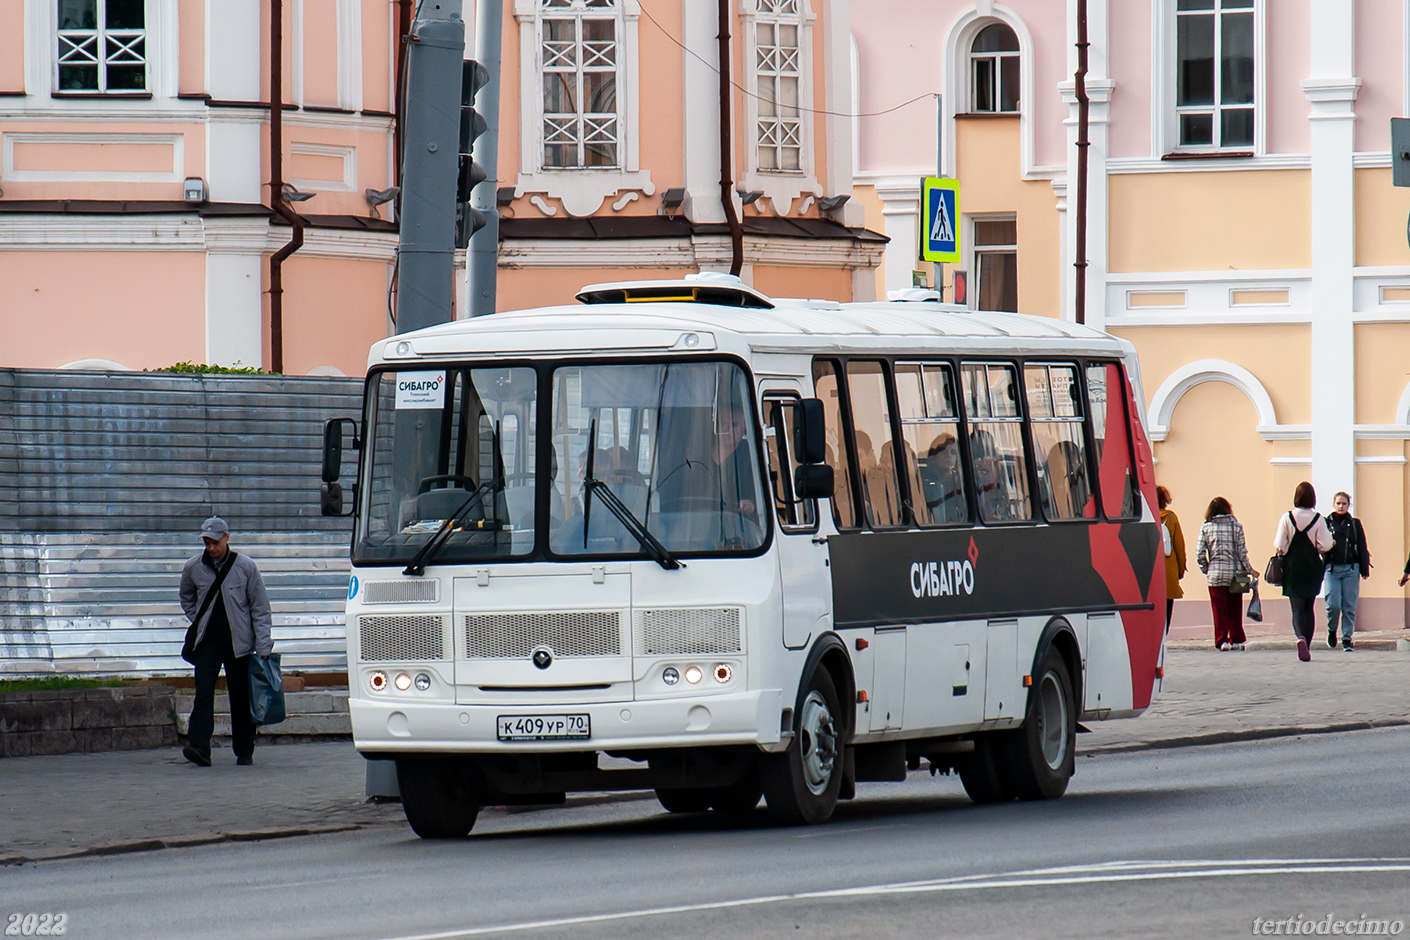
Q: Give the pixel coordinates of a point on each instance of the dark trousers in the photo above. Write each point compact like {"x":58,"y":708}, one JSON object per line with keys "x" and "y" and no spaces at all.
{"x":211,"y":655}
{"x":1169,"y":612}
{"x":1304,"y":625}
{"x":1228,"y":615}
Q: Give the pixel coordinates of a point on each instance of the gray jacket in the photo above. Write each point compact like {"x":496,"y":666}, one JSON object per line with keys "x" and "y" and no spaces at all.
{"x":246,"y":603}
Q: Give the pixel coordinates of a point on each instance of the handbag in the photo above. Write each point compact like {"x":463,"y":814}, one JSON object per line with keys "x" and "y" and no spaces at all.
{"x":1241,"y":583}
{"x":1273,"y":574}
{"x":266,"y":690}
{"x":188,"y":647}
{"x":1255,"y":606}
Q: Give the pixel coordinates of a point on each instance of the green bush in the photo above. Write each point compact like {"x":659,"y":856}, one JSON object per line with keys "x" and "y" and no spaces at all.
{"x":206,"y":369}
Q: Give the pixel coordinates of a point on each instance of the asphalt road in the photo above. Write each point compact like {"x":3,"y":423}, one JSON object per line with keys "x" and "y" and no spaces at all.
{"x":1195,"y":842}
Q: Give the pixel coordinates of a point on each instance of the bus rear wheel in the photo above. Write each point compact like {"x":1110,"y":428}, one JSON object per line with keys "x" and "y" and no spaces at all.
{"x":437,"y":797}
{"x":1040,"y":756}
{"x":684,"y":800}
{"x":802,"y":783}
{"x":981,"y":773}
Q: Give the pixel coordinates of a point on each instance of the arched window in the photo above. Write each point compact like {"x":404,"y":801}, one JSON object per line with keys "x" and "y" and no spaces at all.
{"x":994,"y":71}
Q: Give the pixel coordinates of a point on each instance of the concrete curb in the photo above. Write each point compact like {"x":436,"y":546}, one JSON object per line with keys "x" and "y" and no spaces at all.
{"x":1246,"y":734}
{"x":177,"y":842}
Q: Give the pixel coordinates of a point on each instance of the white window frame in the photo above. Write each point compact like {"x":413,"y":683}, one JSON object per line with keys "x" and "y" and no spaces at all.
{"x":997,"y":58}
{"x":99,"y":37}
{"x":976,"y":251}
{"x":163,"y":52}
{"x":780,"y":187}
{"x":1165,"y":65}
{"x":581,"y":190}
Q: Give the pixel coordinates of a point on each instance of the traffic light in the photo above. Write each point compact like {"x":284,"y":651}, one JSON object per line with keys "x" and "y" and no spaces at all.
{"x":468,"y":221}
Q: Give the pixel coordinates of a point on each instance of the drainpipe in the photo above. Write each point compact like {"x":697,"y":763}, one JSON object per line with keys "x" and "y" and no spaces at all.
{"x":404,"y":9}
{"x":736,"y":231}
{"x":276,"y":186}
{"x":1080,"y":309}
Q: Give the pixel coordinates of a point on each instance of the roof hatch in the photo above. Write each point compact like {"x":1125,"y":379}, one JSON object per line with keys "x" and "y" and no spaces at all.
{"x":707,"y":287}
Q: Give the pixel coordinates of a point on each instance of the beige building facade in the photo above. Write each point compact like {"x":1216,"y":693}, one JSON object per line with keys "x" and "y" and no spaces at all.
{"x":1243,"y":231}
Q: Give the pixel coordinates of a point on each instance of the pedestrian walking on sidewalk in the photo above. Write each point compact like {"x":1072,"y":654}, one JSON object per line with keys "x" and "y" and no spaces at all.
{"x":233,"y":625}
{"x":1348,"y":562}
{"x":1174,"y":539}
{"x":1302,"y":537}
{"x":1221,"y":553}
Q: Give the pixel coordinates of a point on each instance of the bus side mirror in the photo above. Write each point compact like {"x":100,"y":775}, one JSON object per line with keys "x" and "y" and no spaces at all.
{"x":811,"y":432}
{"x":813,"y":481}
{"x":330,"y":494}
{"x":330,"y":499}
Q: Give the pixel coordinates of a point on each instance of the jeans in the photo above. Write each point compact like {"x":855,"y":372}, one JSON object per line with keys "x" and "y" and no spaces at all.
{"x":1303,"y":620}
{"x":1343,"y":591}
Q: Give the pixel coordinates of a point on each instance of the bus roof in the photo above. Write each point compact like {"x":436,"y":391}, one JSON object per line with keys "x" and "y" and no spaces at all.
{"x":626,"y":318}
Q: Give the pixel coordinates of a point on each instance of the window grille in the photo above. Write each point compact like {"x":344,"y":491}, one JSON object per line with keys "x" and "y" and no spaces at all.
{"x":1214,"y":95}
{"x":102,"y":46}
{"x":994,"y":71}
{"x":778,"y":74}
{"x":580,"y":49}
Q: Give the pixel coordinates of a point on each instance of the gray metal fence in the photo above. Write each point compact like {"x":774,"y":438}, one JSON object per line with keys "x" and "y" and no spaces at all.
{"x":104,"y":480}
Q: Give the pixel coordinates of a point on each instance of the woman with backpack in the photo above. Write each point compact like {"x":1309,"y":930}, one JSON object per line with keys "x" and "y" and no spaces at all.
{"x":1302,"y":538}
{"x":1222,"y":554}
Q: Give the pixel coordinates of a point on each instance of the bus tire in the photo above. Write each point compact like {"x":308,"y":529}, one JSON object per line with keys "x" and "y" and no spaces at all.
{"x":981,"y":773}
{"x":437,"y":797}
{"x":1040,"y":756}
{"x":684,"y":799}
{"x":801,"y":784}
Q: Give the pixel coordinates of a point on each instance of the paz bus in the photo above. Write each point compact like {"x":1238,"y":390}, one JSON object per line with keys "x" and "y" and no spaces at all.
{"x":683,"y":537}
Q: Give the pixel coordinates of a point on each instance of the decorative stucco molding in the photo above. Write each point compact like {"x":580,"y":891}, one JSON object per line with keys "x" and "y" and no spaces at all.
{"x":1163,"y":402}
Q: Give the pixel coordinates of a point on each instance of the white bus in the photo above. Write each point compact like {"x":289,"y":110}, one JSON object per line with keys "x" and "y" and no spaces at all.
{"x":687,"y":538}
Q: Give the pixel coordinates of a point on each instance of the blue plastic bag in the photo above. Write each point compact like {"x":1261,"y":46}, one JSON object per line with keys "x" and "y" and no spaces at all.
{"x":266,"y":690}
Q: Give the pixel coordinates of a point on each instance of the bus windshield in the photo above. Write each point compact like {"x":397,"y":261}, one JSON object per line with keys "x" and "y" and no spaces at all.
{"x":675,"y":443}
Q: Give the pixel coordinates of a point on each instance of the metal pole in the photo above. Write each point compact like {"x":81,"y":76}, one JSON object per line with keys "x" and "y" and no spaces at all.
{"x":736,"y":231}
{"x":430,"y":164}
{"x":1080,"y":308}
{"x":482,"y":261}
{"x":940,"y":171}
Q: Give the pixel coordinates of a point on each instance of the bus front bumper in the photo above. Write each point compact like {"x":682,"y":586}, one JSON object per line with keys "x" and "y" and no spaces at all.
{"x":390,"y":727}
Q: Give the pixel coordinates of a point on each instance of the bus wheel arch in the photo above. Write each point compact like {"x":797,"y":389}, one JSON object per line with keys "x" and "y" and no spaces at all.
{"x":803,"y":783}
{"x":1060,"y":634}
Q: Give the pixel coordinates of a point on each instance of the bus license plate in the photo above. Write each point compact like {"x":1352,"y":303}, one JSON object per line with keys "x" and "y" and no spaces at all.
{"x":543,"y":727}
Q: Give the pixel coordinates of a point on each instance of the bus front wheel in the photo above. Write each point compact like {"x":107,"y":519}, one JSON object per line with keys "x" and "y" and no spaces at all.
{"x":981,"y":773}
{"x":801,"y":784}
{"x":437,"y":797}
{"x":1040,"y":756}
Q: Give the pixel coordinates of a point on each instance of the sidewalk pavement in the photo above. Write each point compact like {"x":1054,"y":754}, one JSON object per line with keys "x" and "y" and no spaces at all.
{"x":122,"y":801}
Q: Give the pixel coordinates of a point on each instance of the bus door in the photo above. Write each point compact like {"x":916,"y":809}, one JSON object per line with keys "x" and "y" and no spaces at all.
{"x":802,"y":548}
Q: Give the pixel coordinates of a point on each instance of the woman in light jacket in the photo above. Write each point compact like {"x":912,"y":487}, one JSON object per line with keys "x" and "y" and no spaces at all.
{"x":1222,"y":552}
{"x":1175,"y":558}
{"x":1302,"y":537}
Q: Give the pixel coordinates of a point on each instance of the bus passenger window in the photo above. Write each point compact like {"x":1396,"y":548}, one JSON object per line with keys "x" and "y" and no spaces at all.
{"x":1059,"y":446}
{"x":1107,"y":392}
{"x":780,"y":416}
{"x":825,"y":387}
{"x":996,"y":441}
{"x":930,"y":432}
{"x":876,"y":453}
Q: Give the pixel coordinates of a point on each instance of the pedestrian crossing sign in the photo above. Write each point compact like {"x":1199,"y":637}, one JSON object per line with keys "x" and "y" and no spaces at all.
{"x":940,"y":232}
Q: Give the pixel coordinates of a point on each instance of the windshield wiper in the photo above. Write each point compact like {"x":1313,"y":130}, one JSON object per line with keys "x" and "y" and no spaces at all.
{"x":417,"y":566}
{"x":649,"y":543}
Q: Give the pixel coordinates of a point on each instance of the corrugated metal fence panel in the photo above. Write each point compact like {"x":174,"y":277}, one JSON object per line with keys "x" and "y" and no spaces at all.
{"x":107,"y":604}
{"x":159,"y":452}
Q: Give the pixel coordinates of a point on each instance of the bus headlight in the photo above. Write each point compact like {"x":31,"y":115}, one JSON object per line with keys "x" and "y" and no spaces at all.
{"x":402,"y":681}
{"x":670,"y":675}
{"x":378,"y":681}
{"x":423,"y":682}
{"x":693,"y":674}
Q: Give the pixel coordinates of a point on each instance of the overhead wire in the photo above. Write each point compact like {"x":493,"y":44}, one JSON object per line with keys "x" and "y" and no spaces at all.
{"x":845,"y":114}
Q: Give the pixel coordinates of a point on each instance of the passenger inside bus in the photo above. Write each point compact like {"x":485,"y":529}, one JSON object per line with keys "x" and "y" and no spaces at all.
{"x":942,"y":481}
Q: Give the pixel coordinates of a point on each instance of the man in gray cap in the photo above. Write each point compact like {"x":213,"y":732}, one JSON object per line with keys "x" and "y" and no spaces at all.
{"x":233,"y":625}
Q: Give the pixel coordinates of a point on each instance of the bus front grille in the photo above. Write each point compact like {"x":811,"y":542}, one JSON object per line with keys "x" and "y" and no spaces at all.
{"x":687,"y":631}
{"x":516,"y":636}
{"x":400,"y":638}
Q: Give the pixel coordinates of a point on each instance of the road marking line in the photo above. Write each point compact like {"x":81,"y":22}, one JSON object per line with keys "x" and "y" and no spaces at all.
{"x":1099,"y":873}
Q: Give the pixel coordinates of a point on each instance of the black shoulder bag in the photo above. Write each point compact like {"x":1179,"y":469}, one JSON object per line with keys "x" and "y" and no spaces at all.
{"x":188,"y":648}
